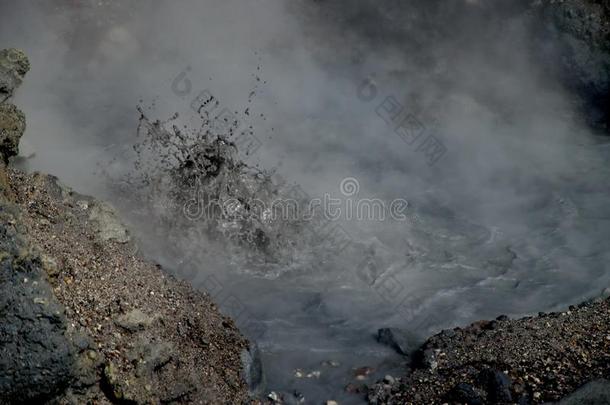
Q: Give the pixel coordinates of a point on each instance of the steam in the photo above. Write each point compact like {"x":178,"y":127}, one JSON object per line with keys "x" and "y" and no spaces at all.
{"x":509,"y":220}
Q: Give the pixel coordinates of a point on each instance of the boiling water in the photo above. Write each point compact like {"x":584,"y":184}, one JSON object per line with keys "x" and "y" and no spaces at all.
{"x":513,"y":219}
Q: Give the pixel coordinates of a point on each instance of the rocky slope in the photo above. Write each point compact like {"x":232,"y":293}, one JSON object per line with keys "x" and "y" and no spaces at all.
{"x":527,"y":361}
{"x":83,"y":318}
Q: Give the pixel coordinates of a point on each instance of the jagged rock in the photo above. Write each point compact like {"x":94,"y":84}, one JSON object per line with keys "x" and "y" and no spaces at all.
{"x":14,"y":64}
{"x":12,"y":127}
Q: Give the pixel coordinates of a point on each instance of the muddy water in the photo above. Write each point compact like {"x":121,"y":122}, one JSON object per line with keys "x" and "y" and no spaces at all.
{"x":512,"y":220}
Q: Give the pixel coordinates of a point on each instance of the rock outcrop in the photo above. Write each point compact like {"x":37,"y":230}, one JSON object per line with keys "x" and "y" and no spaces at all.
{"x":14,"y":65}
{"x":580,"y":30}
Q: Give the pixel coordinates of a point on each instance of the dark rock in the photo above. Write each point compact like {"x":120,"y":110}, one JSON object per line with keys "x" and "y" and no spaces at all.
{"x":253,"y":372}
{"x":397,"y":339}
{"x":37,"y":357}
{"x":448,"y":333}
{"x":425,"y":358}
{"x":593,"y":393}
{"x":464,"y":394}
{"x":497,"y":384}
{"x":12,"y":127}
{"x":580,"y":52}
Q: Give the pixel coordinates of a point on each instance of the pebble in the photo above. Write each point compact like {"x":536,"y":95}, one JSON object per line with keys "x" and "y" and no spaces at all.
{"x":388,"y":379}
{"x":362,"y":373}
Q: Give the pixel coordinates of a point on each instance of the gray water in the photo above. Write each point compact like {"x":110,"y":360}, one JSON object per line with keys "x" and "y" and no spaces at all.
{"x":512,"y":219}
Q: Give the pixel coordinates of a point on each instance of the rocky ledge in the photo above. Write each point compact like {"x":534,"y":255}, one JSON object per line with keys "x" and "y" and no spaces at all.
{"x":83,"y":318}
{"x":526,"y":361}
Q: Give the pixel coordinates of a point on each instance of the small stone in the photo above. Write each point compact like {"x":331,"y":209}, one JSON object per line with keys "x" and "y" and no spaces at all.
{"x":300,"y":398}
{"x":362,"y":373}
{"x":49,"y":265}
{"x":388,"y":379}
{"x":83,"y":205}
{"x":134,"y":321}
{"x":109,"y":227}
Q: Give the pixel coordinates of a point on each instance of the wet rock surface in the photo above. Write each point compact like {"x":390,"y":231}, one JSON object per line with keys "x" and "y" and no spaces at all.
{"x":528,"y":361}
